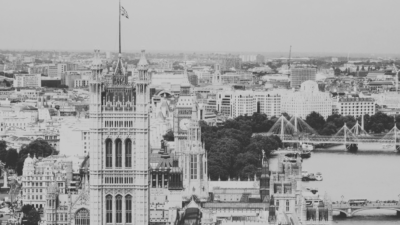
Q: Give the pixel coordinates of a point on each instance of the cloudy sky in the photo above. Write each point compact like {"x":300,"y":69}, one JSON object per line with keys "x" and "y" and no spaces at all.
{"x":350,"y":26}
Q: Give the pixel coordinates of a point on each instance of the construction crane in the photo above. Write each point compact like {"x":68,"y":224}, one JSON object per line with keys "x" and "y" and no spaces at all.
{"x":397,"y":77}
{"x":290,"y":56}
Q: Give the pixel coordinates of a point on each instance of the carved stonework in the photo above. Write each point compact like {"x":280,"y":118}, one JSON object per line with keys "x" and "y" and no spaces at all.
{"x":108,"y":191}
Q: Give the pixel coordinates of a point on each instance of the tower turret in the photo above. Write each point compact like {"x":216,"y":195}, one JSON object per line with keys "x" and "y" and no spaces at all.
{"x":264,"y":180}
{"x":97,"y":66}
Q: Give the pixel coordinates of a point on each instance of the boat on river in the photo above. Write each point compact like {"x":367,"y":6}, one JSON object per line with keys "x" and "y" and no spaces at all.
{"x":307,"y":147}
{"x":311,"y":176}
{"x":318,"y":176}
{"x":302,"y":153}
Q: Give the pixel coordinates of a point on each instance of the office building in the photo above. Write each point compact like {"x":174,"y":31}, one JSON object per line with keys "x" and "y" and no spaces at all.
{"x":299,"y":75}
{"x":27,"y":80}
{"x":355,"y":106}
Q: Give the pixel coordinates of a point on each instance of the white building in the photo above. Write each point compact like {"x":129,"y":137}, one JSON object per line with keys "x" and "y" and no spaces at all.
{"x":243,"y":103}
{"x":355,"y":106}
{"x":27,"y":80}
{"x":27,"y":93}
{"x":248,"y":58}
{"x":268,"y":103}
{"x":224,"y":100}
{"x":161,"y":120}
{"x":389,"y":99}
{"x":239,"y":103}
{"x":306,"y":100}
{"x":52,"y":71}
{"x":74,"y":137}
{"x":81,"y":83}
{"x":61,"y":68}
{"x":38,"y":174}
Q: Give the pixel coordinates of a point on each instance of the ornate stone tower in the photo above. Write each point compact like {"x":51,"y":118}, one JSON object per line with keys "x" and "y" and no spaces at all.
{"x":194,"y":161}
{"x":51,"y":203}
{"x":216,"y":78}
{"x":119,"y":153}
{"x":182,"y":116}
{"x":264,"y":180}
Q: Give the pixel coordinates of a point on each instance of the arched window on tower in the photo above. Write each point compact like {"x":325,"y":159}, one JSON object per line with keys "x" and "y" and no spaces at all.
{"x":118,"y":153}
{"x":108,"y":209}
{"x":82,"y":217}
{"x":128,"y":209}
{"x":118,"y":207}
{"x":108,"y":153}
{"x":128,"y":153}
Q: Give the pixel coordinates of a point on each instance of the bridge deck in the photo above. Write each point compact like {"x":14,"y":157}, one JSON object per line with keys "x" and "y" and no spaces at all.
{"x":366,"y":206}
{"x":319,"y":139}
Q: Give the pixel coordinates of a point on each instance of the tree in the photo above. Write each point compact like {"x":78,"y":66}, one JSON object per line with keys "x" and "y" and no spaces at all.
{"x":169,"y":136}
{"x":39,"y":148}
{"x":315,"y":120}
{"x":380,"y":118}
{"x":12,"y":158}
{"x":232,"y":151}
{"x":3,"y":151}
{"x":222,"y":155}
{"x":329,"y":129}
{"x":20,"y":164}
{"x":8,"y":84}
{"x":31,"y":214}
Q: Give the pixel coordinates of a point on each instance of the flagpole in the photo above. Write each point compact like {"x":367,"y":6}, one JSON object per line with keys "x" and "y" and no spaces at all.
{"x":119,"y":26}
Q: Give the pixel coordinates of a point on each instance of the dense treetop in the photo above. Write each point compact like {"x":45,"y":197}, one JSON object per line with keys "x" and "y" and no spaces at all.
{"x":233,"y":151}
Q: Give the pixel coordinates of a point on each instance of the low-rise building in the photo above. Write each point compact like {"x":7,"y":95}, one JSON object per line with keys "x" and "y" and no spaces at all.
{"x":355,"y":106}
{"x":27,"y":80}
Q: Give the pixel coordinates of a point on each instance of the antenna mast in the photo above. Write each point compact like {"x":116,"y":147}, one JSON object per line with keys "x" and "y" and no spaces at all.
{"x":290,"y":56}
{"x":119,"y":12}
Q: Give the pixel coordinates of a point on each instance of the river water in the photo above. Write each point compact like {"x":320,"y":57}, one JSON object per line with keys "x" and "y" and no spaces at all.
{"x":372,"y":173}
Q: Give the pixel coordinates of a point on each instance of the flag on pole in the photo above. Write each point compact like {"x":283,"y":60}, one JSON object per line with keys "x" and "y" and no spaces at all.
{"x":124,"y":12}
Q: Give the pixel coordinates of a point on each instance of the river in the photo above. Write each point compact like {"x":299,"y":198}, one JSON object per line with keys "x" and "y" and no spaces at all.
{"x":371,"y":173}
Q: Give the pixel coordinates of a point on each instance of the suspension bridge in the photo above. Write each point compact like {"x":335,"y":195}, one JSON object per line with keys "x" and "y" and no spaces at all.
{"x":297,"y":130}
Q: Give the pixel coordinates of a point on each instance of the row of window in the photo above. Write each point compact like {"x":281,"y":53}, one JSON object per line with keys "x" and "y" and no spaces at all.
{"x":287,"y":205}
{"x":57,"y":217}
{"x":118,"y":180}
{"x":33,"y":197}
{"x":33,"y":190}
{"x":118,"y":124}
{"x":118,"y":153}
{"x":118,"y":209}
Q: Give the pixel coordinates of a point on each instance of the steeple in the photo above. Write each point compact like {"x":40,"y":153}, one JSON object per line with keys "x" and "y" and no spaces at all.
{"x":194,"y":129}
{"x":119,"y":76}
{"x":143,"y":64}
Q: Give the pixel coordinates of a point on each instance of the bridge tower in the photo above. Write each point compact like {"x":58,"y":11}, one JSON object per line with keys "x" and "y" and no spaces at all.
{"x":395,"y":138}
{"x":351,"y":146}
{"x":282,"y":127}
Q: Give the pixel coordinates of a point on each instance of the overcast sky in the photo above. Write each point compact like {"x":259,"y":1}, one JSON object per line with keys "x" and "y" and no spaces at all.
{"x":350,"y":26}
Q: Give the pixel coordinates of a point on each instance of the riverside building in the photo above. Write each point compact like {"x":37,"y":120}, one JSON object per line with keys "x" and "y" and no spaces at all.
{"x":306,"y":100}
{"x":356,"y":106}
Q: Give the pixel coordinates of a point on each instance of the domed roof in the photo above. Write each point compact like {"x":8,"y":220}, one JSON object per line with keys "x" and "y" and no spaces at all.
{"x":309,"y":86}
{"x":28,"y":160}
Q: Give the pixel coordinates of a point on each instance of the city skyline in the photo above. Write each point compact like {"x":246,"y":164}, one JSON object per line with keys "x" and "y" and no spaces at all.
{"x":354,"y":27}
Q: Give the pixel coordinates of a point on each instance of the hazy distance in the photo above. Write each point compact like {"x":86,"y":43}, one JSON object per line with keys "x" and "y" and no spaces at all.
{"x":334,"y":26}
